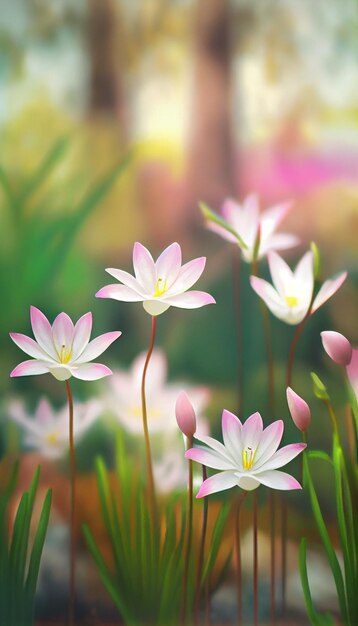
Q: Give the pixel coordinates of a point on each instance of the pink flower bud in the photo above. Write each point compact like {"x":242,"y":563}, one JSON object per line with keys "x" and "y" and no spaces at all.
{"x":299,"y":409}
{"x":337,"y":347}
{"x":185,"y":414}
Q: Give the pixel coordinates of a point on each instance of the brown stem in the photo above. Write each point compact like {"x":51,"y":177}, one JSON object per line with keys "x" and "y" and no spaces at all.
{"x":255,"y":557}
{"x":151,"y":487}
{"x":283,"y":552}
{"x":72,"y":581}
{"x":238,"y":558}
{"x":236,"y":263}
{"x":201,"y":554}
{"x":189,"y":533}
{"x":272,"y":516}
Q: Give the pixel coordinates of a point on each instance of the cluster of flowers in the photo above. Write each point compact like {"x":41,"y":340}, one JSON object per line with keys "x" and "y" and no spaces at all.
{"x":249,"y":455}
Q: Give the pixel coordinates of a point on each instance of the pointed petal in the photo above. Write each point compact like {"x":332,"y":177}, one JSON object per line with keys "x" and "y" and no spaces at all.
{"x":90,"y":371}
{"x":16,"y":412}
{"x":268,"y":294}
{"x":304,"y":278}
{"x":328,"y":290}
{"x":214,"y":444}
{"x":30,"y":368}
{"x":42,"y":330}
{"x":218,"y":482}
{"x":282,"y":276}
{"x":29,"y":346}
{"x":252,"y":431}
{"x":81,"y":335}
{"x":232,"y":434}
{"x":97,"y":346}
{"x":188,"y":275}
{"x":62,"y":332}
{"x":270,"y":440}
{"x":119,"y":292}
{"x":219,"y":230}
{"x":127,"y":279}
{"x":272,"y":218}
{"x":44,"y":413}
{"x":280,"y":241}
{"x":168,"y":264}
{"x":144,"y":267}
{"x":190,"y":300}
{"x":278,"y":480}
{"x":283,"y":456}
{"x":210,"y":458}
{"x":156,"y":373}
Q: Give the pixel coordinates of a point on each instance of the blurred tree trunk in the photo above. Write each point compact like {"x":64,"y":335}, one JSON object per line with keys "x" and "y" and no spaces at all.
{"x":211,"y":143}
{"x":106,"y":90}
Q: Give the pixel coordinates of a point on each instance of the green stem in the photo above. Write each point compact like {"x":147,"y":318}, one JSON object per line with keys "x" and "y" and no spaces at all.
{"x":189,"y":534}
{"x":72,"y":581}
{"x":333,"y":416}
{"x":151,"y":487}
{"x":201,"y":554}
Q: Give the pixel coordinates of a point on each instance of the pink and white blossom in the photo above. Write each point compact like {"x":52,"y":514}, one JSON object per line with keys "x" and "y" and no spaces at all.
{"x":161,"y":396}
{"x":337,"y":347}
{"x":185,"y":415}
{"x":299,"y":410}
{"x":290,"y":296}
{"x":63,"y":349}
{"x":248,"y":457}
{"x":245,"y":220}
{"x":47,"y":430}
{"x":159,"y":284}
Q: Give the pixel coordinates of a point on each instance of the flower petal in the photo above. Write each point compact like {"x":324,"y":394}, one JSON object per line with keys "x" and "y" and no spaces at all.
{"x":29,"y":346}
{"x":220,"y":230}
{"x":42,"y":330}
{"x":232,"y":434}
{"x":210,"y":458}
{"x":188,"y":275}
{"x":168,"y":264}
{"x":283,"y":456}
{"x":62,"y":332}
{"x":30,"y":368}
{"x":327,"y":290}
{"x":218,"y":482}
{"x":127,"y":279}
{"x":97,"y":346}
{"x":155,"y":306}
{"x":270,"y":440}
{"x":272,"y":218}
{"x":119,"y":292}
{"x":279,"y":241}
{"x":81,"y":335}
{"x":304,"y":278}
{"x":15,"y":411}
{"x":252,"y":431}
{"x":90,"y":371}
{"x":214,"y":444}
{"x":278,"y":480}
{"x":281,"y":274}
{"x":191,"y":300}
{"x":268,"y":294}
{"x":144,"y":267}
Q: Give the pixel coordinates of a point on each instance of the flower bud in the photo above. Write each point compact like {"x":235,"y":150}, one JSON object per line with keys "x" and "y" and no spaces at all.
{"x":337,"y":347}
{"x":299,"y":409}
{"x":319,"y":388}
{"x":185,"y":415}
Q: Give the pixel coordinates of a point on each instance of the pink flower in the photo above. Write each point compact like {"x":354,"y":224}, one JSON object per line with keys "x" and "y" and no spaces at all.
{"x":47,"y":430}
{"x":290,"y":297}
{"x":185,"y":415}
{"x":352,"y":371}
{"x":159,"y":284}
{"x":240,"y":224}
{"x":337,"y":347}
{"x":299,"y":409}
{"x":248,"y":457}
{"x":62,"y":349}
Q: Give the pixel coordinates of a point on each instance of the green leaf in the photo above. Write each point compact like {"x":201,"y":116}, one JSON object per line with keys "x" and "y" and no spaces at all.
{"x":215,"y":541}
{"x":37,"y":548}
{"x":319,"y":454}
{"x":211,"y":216}
{"x":315,"y":618}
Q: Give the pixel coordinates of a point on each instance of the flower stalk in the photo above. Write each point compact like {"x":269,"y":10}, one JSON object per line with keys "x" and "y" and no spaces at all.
{"x":238,"y":558}
{"x":255,"y":559}
{"x":151,"y":487}
{"x":189,"y":534}
{"x":201,"y":555}
{"x":72,"y":573}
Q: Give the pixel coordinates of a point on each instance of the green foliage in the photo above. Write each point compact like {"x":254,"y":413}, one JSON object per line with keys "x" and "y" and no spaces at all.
{"x":19,"y":563}
{"x":145,"y":577}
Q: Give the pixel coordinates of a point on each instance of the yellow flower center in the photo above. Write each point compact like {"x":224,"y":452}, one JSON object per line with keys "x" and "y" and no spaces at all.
{"x":52,"y":438}
{"x":65,"y":354}
{"x":160,"y":287}
{"x":153,"y":413}
{"x":248,"y":458}
{"x":291,"y":301}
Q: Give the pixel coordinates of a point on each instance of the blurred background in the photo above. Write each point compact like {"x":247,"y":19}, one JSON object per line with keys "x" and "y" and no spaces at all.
{"x":116,"y":118}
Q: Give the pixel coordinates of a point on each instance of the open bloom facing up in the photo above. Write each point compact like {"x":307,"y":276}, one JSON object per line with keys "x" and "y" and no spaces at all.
{"x":47,"y":430}
{"x":248,"y":457}
{"x":161,"y":396}
{"x":159,"y":284}
{"x":62,"y":349}
{"x":290,"y":297}
{"x":245,"y":220}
